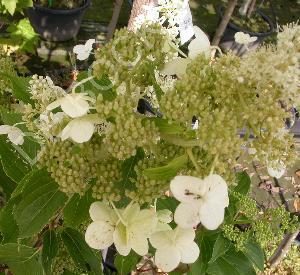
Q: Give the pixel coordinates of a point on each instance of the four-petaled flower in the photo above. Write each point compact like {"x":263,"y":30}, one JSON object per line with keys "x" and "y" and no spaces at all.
{"x":200,"y":45}
{"x":202,"y":200}
{"x":276,"y":168}
{"x":14,"y":134}
{"x":74,"y":104}
{"x":81,"y":129}
{"x":173,"y":247}
{"x":127,"y":228}
{"x":83,"y":51}
{"x":244,"y":38}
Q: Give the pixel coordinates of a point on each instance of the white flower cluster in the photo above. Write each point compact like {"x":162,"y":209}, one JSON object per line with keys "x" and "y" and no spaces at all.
{"x":167,"y":12}
{"x":82,"y":125}
{"x":130,"y":228}
{"x":14,"y":134}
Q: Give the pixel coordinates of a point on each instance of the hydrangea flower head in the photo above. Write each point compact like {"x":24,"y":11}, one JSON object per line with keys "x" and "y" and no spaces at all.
{"x":201,"y":200}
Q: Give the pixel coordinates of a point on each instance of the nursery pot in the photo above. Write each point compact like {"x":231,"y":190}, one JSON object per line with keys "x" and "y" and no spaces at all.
{"x":228,"y":42}
{"x":56,"y":24}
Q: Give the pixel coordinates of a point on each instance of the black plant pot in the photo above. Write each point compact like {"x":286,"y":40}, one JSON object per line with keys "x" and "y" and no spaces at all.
{"x":228,"y":42}
{"x":57,"y":25}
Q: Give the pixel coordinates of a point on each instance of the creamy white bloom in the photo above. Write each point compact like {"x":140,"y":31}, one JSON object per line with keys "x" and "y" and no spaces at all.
{"x":132,"y":232}
{"x":164,"y":217}
{"x":276,"y":168}
{"x":200,"y":45}
{"x":173,"y":247}
{"x":14,"y":134}
{"x":74,"y":104}
{"x":244,"y":38}
{"x":202,"y":200}
{"x":81,"y":129}
{"x":83,"y":51}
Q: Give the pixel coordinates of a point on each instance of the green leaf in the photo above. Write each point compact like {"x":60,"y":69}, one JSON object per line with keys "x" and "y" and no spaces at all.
{"x":6,"y":183}
{"x":222,"y":267}
{"x":21,"y":259}
{"x":10,"y":118}
{"x":97,"y":86}
{"x":50,"y":249}
{"x":40,"y":200}
{"x":80,"y":252}
{"x":23,"y":35}
{"x":8,"y":225}
{"x":77,"y":209}
{"x":129,"y":164}
{"x":220,"y":247}
{"x":167,"y":203}
{"x":231,"y":262}
{"x":255,"y":253}
{"x":20,"y":87}
{"x":126,"y":264}
{"x":10,"y":5}
{"x":206,"y":244}
{"x":14,"y":165}
{"x":166,"y":127}
{"x":244,"y":182}
{"x":168,"y":171}
{"x":180,"y":141}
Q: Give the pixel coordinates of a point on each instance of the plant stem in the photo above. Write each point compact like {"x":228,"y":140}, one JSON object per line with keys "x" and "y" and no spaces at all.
{"x":251,"y":8}
{"x":283,"y":248}
{"x":192,"y":158}
{"x":213,"y":164}
{"x":114,"y":20}
{"x":118,"y":213}
{"x":222,"y":27}
{"x":82,"y":82}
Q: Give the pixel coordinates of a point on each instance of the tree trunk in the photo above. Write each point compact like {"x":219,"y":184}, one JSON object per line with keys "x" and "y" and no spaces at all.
{"x":244,"y":8}
{"x":138,"y":9}
{"x":114,"y":20}
{"x":251,"y":8}
{"x":225,"y":20}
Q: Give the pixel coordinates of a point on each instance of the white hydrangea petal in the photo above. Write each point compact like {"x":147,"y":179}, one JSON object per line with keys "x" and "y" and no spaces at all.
{"x":167,"y":258}
{"x":65,"y":134}
{"x":99,"y":235}
{"x":5,"y":129}
{"x":131,"y":212}
{"x":200,"y":44}
{"x":184,"y":235}
{"x":79,"y":130}
{"x":55,"y":104}
{"x":139,"y":242}
{"x":16,"y":136}
{"x":189,"y":252}
{"x":145,"y":221}
{"x":276,"y":168}
{"x":211,"y":215}
{"x":83,"y":51}
{"x":165,"y":215}
{"x":74,"y":105}
{"x":100,"y":211}
{"x":176,"y":66}
{"x":78,"y":49}
{"x":162,"y":239}
{"x":252,"y":39}
{"x":187,"y":215}
{"x":187,"y":188}
{"x":161,"y":226}
{"x":121,"y":240}
{"x":89,"y":44}
{"x":217,"y":189}
{"x":239,"y":37}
